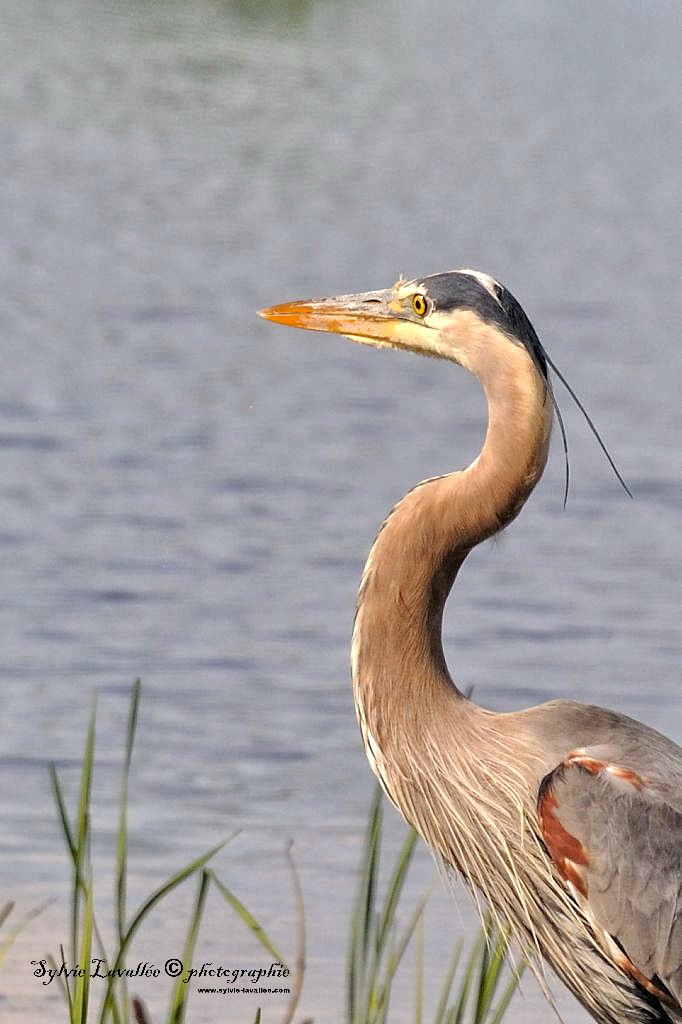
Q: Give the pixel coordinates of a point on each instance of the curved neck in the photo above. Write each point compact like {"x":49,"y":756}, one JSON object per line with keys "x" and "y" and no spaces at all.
{"x":397,"y":659}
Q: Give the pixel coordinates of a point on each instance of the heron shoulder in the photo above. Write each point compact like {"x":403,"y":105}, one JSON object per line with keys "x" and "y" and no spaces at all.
{"x":567,"y":730}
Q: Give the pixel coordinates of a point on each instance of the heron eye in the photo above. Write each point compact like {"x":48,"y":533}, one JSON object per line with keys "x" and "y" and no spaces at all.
{"x":419,"y":304}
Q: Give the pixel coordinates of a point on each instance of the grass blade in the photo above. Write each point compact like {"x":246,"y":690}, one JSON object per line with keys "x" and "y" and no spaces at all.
{"x":82,"y":986}
{"x":5,"y":911}
{"x":122,"y":834}
{"x":79,"y":849}
{"x":442,"y":1008}
{"x":63,"y":980}
{"x":362,"y":949}
{"x":172,"y":883}
{"x":82,"y":833}
{"x":492,"y":962}
{"x":394,"y":957}
{"x":122,"y":837}
{"x":483,"y":973}
{"x":458,"y":1009}
{"x":62,"y":812}
{"x":178,"y":1004}
{"x":395,"y":887}
{"x":299,"y":973}
{"x":507,"y":993}
{"x":248,"y":919}
{"x":419,"y":979}
{"x":9,"y":939}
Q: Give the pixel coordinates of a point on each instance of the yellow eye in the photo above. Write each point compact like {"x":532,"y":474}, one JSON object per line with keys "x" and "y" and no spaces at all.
{"x":419,"y":304}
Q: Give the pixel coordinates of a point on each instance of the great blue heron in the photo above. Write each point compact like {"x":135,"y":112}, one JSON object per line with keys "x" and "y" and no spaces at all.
{"x":566,"y":817}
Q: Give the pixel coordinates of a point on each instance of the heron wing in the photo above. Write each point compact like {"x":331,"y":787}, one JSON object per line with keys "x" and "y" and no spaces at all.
{"x":617,"y":842}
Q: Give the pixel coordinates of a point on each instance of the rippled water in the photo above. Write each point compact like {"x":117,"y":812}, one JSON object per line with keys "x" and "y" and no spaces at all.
{"x":188,"y":494}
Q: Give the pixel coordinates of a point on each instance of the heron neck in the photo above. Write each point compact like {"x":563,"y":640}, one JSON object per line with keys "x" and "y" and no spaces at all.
{"x":399,"y":668}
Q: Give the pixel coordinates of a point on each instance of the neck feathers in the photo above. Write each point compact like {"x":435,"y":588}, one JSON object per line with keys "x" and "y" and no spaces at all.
{"x":400,"y":676}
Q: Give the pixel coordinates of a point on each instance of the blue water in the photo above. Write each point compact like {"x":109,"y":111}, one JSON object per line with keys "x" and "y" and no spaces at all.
{"x":188,"y":494}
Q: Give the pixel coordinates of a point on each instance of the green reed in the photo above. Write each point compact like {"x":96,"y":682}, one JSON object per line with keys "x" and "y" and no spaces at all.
{"x":85,"y":940}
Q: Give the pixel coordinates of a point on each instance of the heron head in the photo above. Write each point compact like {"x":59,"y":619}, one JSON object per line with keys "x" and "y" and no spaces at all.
{"x":463,"y":315}
{"x":455,"y":316}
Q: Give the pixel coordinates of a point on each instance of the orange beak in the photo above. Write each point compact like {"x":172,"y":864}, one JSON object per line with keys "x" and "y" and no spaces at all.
{"x":370,"y":317}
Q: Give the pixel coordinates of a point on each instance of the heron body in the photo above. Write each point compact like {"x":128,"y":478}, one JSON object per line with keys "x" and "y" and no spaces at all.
{"x":566,"y":817}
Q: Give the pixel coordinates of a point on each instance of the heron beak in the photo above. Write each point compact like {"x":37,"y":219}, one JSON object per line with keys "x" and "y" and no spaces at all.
{"x":372,"y":318}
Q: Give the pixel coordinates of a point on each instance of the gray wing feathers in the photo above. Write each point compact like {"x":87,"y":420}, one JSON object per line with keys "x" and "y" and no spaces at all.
{"x":632,"y":838}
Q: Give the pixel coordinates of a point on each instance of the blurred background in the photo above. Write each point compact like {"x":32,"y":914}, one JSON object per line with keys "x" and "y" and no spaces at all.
{"x":188,"y":494}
